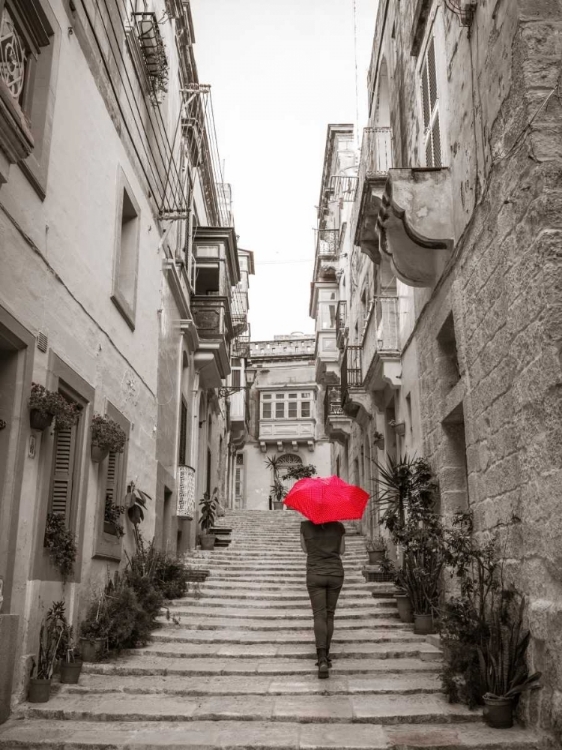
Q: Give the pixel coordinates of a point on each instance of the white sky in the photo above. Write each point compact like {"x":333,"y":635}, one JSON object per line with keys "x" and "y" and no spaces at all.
{"x":280,"y":72}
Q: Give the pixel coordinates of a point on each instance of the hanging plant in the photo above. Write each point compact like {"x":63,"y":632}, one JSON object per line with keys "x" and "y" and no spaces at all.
{"x":45,"y":404}
{"x":60,"y":542}
{"x":135,"y":502}
{"x":107,"y":434}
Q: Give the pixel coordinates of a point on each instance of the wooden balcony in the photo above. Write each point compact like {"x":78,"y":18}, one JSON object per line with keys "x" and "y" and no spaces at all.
{"x":214,"y":327}
{"x":341,"y":325}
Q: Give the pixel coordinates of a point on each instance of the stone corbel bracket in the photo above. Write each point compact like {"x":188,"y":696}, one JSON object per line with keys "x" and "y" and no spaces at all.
{"x":415,"y":224}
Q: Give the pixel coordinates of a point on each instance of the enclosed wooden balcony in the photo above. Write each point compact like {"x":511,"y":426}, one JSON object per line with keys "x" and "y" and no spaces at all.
{"x":214,"y":327}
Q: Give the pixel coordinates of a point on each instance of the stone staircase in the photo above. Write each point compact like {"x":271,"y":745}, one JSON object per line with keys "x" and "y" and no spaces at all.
{"x":233,"y":667}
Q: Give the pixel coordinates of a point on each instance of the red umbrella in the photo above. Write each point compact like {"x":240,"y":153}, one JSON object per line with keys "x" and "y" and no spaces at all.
{"x":325,"y":499}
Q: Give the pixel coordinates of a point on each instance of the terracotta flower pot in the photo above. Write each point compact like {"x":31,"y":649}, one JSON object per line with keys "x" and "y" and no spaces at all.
{"x":498,"y":712}
{"x":70,"y":672}
{"x":423,"y":624}
{"x":98,"y":454}
{"x":39,"y":691}
{"x":208,"y":541}
{"x":92,"y":648}
{"x":404,"y":605}
{"x":38,"y":420}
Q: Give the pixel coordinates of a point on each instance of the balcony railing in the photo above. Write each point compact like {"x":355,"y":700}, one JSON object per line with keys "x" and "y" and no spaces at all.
{"x":376,"y":153}
{"x":341,"y":324}
{"x":351,"y":371}
{"x":328,"y":242}
{"x":241,"y":347}
{"x":332,"y":402}
{"x":343,"y":187}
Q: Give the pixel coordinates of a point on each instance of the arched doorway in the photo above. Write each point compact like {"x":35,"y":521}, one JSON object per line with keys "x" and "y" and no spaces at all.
{"x":288,"y":461}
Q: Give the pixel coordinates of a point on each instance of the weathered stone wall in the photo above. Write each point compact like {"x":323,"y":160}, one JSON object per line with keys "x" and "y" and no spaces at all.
{"x":493,"y":427}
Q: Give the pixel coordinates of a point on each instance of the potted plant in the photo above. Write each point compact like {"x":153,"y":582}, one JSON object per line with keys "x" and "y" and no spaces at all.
{"x":94,"y":629}
{"x":503,"y":666}
{"x":60,"y":543}
{"x":278,"y":492}
{"x":45,"y":404}
{"x":376,"y":550}
{"x":107,"y":437}
{"x":112,"y":523}
{"x":70,"y":664}
{"x":207,"y":521}
{"x":378,"y":439}
{"x":52,"y":630}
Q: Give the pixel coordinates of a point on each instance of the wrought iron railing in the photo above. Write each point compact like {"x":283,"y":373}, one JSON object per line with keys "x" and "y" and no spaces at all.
{"x":241,"y":347}
{"x":381,"y":335}
{"x":328,"y":243}
{"x":375,"y":160}
{"x":332,"y":402}
{"x":351,"y":371}
{"x":343,"y":187}
{"x":341,"y":324}
{"x":153,"y":52}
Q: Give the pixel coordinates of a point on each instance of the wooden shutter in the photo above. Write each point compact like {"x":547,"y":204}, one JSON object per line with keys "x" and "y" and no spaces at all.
{"x":112,"y":477}
{"x":430,"y":107}
{"x":63,"y":469}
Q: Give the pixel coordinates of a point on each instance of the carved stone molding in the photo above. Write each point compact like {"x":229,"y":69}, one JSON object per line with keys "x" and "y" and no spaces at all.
{"x":415,"y":224}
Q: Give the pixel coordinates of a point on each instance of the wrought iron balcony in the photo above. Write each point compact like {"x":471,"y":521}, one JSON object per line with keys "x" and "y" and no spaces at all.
{"x":376,"y":160}
{"x":332,"y":402}
{"x":355,"y":400}
{"x":381,"y":344}
{"x":341,"y":324}
{"x":336,"y":422}
{"x":241,"y":347}
{"x":328,"y":243}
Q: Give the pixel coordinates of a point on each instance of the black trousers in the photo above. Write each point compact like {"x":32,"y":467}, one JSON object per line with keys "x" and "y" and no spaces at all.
{"x":324,"y":591}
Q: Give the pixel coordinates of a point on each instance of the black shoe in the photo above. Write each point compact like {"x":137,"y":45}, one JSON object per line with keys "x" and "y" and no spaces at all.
{"x":328,"y":659}
{"x":323,"y":669}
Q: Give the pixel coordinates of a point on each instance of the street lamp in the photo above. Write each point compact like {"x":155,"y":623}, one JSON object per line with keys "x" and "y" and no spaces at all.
{"x":227,"y":391}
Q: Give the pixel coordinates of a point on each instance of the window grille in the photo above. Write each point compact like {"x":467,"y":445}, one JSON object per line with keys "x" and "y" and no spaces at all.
{"x":430,"y":107}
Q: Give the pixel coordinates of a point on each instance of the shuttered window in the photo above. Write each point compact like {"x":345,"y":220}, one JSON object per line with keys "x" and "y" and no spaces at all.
{"x":112,"y":485}
{"x":182,"y":452}
{"x":60,"y":500}
{"x":430,"y":106}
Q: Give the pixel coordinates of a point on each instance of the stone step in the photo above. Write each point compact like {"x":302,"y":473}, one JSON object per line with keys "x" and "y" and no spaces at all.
{"x":399,"y":684}
{"x":187,"y":634}
{"x":374,"y":620}
{"x":386,"y":709}
{"x":260,"y":735}
{"x":274,"y":586}
{"x":205,"y":666}
{"x":423,"y":651}
{"x":195,"y":599}
{"x":245,"y":613}
{"x":264,"y":579}
{"x":298,"y":594}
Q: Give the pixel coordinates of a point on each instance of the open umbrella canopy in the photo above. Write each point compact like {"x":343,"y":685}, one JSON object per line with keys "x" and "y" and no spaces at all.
{"x":325,"y":499}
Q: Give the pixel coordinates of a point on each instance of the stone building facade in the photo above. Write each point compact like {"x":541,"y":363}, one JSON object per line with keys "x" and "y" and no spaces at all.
{"x":450,"y":285}
{"x":118,"y":265}
{"x":285,"y":418}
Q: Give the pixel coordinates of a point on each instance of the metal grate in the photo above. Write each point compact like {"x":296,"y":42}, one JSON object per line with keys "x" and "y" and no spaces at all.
{"x":42,"y":342}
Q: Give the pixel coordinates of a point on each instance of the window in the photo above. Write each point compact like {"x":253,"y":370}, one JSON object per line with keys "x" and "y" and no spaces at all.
{"x":126,"y":253}
{"x":430,"y":107}
{"x":182,"y":452}
{"x":293,"y":405}
{"x":27,"y":56}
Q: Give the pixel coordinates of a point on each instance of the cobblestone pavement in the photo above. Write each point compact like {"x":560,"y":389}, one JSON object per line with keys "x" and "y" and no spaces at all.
{"x":237,"y":670}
